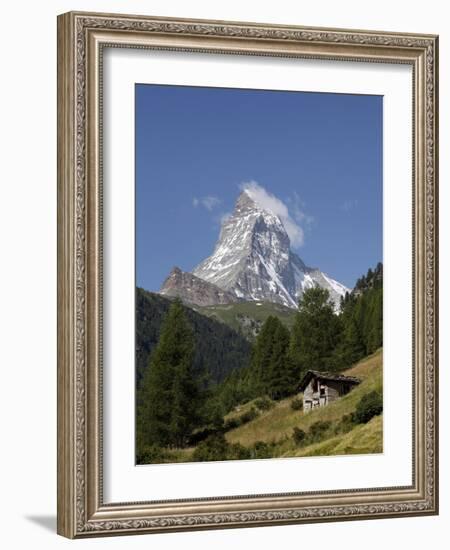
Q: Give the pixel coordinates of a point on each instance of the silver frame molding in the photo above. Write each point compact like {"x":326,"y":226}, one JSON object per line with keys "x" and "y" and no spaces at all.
{"x":81,"y":39}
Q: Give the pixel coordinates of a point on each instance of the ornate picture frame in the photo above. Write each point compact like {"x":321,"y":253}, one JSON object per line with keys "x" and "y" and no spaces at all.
{"x":82,"y":39}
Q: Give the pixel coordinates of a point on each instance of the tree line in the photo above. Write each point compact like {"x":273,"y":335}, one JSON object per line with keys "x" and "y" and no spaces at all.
{"x":319,"y":340}
{"x":218,"y":348}
{"x":173,"y":402}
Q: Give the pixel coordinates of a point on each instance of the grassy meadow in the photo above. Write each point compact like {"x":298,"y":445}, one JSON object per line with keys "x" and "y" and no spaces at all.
{"x":275,"y":426}
{"x":221,"y":383}
{"x":271,"y":433}
{"x":248,"y":317}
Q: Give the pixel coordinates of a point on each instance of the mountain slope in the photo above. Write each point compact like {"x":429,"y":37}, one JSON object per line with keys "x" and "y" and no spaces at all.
{"x":270,"y":433}
{"x":253,"y":259}
{"x":219,"y":349}
{"x":248,"y":317}
{"x":277,"y":423}
{"x":193,"y":290}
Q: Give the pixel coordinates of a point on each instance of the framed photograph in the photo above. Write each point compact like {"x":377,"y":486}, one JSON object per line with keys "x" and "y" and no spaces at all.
{"x":247,"y":274}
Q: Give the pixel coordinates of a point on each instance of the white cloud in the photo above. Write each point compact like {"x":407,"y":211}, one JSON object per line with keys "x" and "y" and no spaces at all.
{"x":273,"y":204}
{"x":208,"y":202}
{"x":297,"y":207}
{"x":349,"y":204}
{"x":224,"y":217}
{"x":221,"y":217}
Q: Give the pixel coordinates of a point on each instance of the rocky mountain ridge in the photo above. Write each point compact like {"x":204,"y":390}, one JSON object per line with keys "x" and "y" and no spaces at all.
{"x":193,"y":290}
{"x":252,"y":261}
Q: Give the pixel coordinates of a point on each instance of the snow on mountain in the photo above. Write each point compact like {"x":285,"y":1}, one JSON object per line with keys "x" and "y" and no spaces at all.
{"x":253,"y":259}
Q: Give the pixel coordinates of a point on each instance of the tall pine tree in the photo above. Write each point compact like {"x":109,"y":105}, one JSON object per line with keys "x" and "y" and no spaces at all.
{"x":362,"y":319}
{"x":271,"y":370}
{"x":262,"y":356}
{"x":316,"y":332}
{"x":282,"y":377}
{"x":353,"y":345}
{"x":169,"y":396}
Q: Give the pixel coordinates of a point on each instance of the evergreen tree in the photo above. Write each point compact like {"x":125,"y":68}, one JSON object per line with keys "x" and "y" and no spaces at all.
{"x":316,"y":332}
{"x":185,"y":402}
{"x":378,"y":276}
{"x":262,"y":356}
{"x":271,"y":371}
{"x":282,"y":378}
{"x":219,"y":349}
{"x":353,"y":344}
{"x":169,"y":397}
{"x":375,"y":332}
{"x":236,"y":388}
{"x":362,"y":319}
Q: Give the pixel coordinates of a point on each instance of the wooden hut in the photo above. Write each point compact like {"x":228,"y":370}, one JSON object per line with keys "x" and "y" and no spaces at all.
{"x":321,"y":388}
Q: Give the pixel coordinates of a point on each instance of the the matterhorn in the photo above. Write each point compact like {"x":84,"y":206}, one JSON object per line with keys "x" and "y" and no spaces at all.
{"x":252,"y":261}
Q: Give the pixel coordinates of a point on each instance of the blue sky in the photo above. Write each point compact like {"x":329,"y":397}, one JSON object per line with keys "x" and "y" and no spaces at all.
{"x":320,"y":154}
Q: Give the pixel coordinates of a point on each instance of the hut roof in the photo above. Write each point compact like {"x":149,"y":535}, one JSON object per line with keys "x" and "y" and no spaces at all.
{"x":326,"y":376}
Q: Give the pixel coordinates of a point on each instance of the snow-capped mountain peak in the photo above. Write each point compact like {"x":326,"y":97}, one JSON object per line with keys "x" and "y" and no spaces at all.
{"x":253,"y":259}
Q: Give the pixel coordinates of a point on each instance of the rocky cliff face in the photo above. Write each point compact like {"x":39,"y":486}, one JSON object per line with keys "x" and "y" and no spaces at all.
{"x":193,"y":290}
{"x":253,"y":259}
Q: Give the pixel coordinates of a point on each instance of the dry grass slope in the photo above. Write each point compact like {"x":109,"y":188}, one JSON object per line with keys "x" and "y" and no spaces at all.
{"x":364,"y":439}
{"x":277,"y":424}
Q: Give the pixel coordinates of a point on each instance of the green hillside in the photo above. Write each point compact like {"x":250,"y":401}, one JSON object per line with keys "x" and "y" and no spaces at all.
{"x":219,"y":348}
{"x":363,"y":439}
{"x":268,"y":432}
{"x":275,"y":426}
{"x":222,"y":380}
{"x":248,"y":317}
